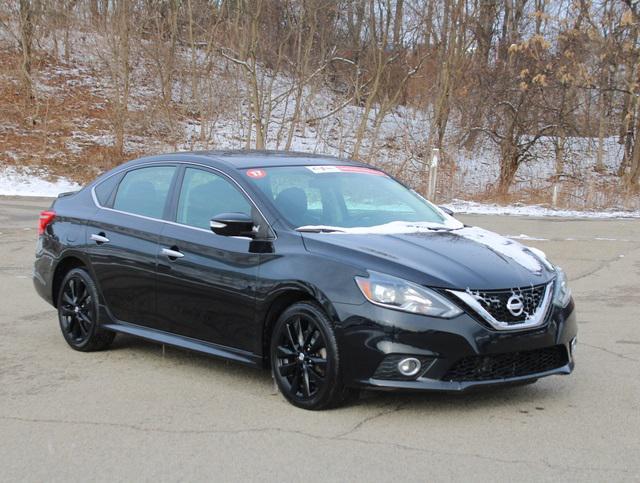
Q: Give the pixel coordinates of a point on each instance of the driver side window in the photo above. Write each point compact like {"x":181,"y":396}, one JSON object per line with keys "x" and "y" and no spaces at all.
{"x":204,"y":195}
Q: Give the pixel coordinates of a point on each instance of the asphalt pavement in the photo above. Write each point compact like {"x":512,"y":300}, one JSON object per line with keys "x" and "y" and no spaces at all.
{"x":139,"y":412}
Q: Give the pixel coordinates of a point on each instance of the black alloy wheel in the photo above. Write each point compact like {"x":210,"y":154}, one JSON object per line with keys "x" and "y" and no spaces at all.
{"x":304,"y":358}
{"x":78,"y":313}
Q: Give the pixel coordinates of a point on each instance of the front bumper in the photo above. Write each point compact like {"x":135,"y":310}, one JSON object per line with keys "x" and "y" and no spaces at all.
{"x":368,"y":335}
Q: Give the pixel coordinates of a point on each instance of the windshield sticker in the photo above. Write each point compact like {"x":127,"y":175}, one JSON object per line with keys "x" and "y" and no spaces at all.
{"x":256,"y":173}
{"x":344,"y":169}
{"x":323,"y":169}
{"x":361,"y":169}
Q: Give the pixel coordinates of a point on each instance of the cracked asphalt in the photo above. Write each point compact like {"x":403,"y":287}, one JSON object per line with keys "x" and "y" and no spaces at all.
{"x":138,"y":412}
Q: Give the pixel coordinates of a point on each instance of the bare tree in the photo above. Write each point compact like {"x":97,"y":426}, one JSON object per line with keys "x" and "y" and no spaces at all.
{"x":249,"y":41}
{"x":28,"y":11}
{"x":520,"y":71}
{"x":516,"y":125}
{"x":630,"y":167}
{"x":117,"y":57}
{"x":162,"y":50}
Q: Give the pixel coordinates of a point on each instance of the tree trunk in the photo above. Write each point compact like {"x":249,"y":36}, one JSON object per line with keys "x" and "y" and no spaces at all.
{"x":633,"y":174}
{"x":601,"y":133}
{"x":397,"y":24}
{"x":485,"y":31}
{"x":378,"y":43}
{"x":627,"y":134}
{"x":303,"y":61}
{"x":26,"y":46}
{"x":508,"y":166}
{"x":121,"y":70}
{"x":627,"y":105}
{"x":195,"y":77}
{"x":451,"y":45}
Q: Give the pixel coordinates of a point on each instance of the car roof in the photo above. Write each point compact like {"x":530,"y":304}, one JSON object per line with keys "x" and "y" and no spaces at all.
{"x":243,"y":159}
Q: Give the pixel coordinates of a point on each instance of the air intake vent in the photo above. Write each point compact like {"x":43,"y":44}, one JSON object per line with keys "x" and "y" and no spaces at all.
{"x":504,"y":366}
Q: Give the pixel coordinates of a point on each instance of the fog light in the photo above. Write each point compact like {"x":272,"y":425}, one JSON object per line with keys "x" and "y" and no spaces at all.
{"x":409,"y":366}
{"x":574,"y":343}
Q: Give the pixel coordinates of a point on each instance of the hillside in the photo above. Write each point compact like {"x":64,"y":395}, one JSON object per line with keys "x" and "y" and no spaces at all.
{"x":80,"y":122}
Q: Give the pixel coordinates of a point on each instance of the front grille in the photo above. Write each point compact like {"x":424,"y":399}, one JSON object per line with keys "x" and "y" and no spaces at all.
{"x":512,"y":364}
{"x":495,"y":302}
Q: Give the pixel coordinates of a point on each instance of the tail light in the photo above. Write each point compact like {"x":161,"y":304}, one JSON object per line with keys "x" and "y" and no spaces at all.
{"x":46,"y":217}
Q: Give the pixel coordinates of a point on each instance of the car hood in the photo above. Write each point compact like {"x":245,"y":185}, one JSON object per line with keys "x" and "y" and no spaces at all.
{"x":458,"y":259}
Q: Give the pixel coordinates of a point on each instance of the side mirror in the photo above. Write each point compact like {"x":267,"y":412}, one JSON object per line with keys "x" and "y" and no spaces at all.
{"x":233,"y":224}
{"x":447,"y":210}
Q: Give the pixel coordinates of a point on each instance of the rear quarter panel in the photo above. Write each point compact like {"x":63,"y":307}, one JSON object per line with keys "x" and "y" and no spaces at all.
{"x":65,"y":236}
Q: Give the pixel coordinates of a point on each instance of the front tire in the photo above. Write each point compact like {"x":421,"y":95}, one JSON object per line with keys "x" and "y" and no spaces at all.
{"x":305,"y":360}
{"x":78,"y":313}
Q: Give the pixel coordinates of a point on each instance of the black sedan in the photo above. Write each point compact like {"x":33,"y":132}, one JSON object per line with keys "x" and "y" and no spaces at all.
{"x":330,"y":272}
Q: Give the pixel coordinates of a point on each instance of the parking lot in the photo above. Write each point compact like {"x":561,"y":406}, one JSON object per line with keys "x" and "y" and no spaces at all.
{"x":142,"y":412}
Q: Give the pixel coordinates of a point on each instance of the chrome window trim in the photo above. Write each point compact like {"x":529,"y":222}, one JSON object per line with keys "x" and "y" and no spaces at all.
{"x":188,"y":163}
{"x":536,"y":320}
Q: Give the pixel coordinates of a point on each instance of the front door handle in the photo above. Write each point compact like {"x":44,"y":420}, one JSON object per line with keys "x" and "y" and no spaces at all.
{"x":99,"y":238}
{"x":173,"y":254}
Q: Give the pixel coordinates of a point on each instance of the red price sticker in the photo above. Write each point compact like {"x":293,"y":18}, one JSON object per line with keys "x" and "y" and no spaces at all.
{"x":360,"y":169}
{"x":256,"y":173}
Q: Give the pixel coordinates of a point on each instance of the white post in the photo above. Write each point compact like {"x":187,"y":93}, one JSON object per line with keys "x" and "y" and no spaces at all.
{"x":433,"y":174}
{"x":554,"y":196}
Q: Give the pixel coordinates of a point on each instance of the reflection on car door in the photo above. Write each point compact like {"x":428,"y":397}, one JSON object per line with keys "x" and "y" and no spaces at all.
{"x":123,"y":244}
{"x":206,"y":282}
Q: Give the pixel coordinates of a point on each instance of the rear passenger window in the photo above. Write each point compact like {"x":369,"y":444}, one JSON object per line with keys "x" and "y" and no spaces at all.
{"x":144,"y":191}
{"x":204,"y":195}
{"x":105,"y":189}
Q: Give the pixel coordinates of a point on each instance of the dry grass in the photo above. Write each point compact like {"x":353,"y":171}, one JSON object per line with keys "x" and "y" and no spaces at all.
{"x":49,"y":131}
{"x":61,"y":131}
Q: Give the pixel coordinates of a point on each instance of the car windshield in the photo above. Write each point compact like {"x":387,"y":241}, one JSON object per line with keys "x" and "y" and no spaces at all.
{"x":339,"y":198}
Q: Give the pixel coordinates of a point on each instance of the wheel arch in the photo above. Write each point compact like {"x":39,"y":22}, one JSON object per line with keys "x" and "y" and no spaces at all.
{"x":64,"y":266}
{"x":283,"y":299}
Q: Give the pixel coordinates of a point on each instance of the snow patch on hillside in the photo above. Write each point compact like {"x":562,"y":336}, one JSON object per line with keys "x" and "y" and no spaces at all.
{"x":398,"y":143}
{"x":474,"y":208}
{"x":32,"y":183}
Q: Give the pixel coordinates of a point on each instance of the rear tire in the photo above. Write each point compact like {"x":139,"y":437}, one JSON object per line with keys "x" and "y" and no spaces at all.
{"x":78,"y":313}
{"x":305,"y":360}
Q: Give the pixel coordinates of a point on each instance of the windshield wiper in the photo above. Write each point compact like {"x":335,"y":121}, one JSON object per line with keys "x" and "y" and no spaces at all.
{"x":318,"y":229}
{"x":430,"y":226}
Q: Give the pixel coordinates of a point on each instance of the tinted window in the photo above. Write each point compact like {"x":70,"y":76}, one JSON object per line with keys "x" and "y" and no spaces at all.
{"x":296,"y":196}
{"x":105,"y":189}
{"x":379,"y":195}
{"x":144,"y":191}
{"x":204,"y":195}
{"x":340,"y":196}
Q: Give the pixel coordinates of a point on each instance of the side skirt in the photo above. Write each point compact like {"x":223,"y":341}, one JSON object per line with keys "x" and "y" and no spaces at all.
{"x":209,"y":348}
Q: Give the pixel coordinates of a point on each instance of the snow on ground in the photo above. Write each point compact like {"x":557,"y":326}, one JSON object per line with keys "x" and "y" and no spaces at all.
{"x":26,"y":183}
{"x":474,"y":208}
{"x":34,"y":183}
{"x":400,"y":143}
{"x":523,"y":236}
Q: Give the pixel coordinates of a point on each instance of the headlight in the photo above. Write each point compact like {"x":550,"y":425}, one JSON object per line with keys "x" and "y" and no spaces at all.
{"x":561,"y":290}
{"x":399,"y":294}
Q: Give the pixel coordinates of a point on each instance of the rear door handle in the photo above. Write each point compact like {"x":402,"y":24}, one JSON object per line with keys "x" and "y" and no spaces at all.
{"x":168,"y":252}
{"x":99,"y":238}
